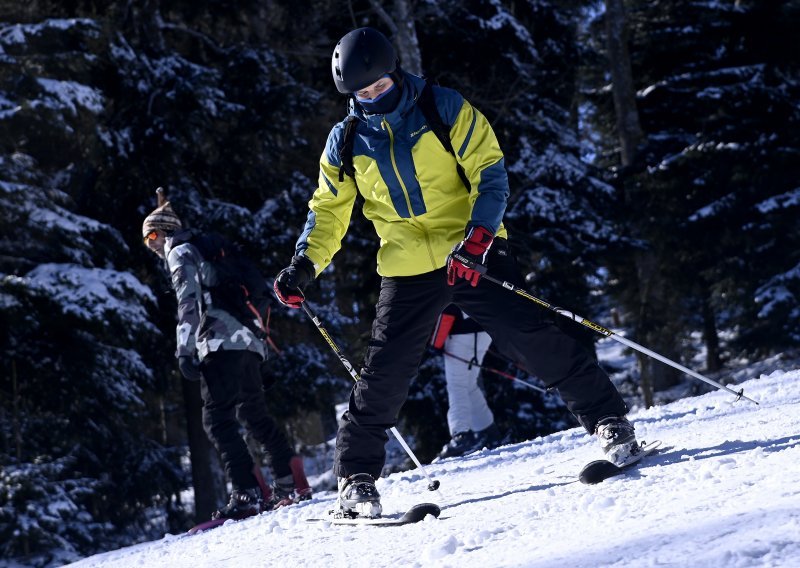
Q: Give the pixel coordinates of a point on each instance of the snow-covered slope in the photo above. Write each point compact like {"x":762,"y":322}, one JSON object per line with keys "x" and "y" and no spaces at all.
{"x":724,"y":491}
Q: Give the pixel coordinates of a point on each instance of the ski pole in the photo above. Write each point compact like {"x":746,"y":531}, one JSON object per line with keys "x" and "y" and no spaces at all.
{"x":608,"y":333}
{"x":433,"y":484}
{"x":498,"y":372}
{"x":519,"y":367}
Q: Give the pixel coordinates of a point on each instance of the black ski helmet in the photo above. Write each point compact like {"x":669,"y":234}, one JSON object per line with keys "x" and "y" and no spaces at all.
{"x":360,"y":58}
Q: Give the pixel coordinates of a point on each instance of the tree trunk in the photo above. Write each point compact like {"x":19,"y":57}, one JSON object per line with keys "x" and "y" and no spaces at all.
{"x":711,"y":338}
{"x":404,"y":35}
{"x":15,"y":410}
{"x":208,"y":477}
{"x":629,"y":129}
{"x":143,"y":21}
{"x":654,"y":325}
{"x":645,"y":380}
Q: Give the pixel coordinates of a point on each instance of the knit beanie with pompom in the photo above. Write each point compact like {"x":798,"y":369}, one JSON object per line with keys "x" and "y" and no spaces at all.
{"x":162,"y":218}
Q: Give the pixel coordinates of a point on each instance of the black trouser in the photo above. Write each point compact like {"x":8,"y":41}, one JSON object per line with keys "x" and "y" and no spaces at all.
{"x":405,"y":316}
{"x":233,"y":395}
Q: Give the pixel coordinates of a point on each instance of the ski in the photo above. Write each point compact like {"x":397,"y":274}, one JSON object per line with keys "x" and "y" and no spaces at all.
{"x":414,"y":515}
{"x":208,"y":525}
{"x":600,"y":470}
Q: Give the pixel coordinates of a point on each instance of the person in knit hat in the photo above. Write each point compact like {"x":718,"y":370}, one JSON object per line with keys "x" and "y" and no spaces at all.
{"x":160,"y":224}
{"x":216,"y":348}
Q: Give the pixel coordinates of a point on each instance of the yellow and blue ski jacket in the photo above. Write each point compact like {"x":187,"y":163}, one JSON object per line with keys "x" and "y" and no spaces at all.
{"x":411,"y":189}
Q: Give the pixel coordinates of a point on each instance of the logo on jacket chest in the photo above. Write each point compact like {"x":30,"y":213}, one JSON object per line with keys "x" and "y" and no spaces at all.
{"x":419,"y":131}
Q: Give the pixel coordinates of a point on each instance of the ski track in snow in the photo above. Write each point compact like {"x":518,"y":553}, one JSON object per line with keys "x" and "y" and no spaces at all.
{"x":723,"y":491}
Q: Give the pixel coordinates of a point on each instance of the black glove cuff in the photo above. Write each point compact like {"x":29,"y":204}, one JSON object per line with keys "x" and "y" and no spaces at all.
{"x":305,"y":269}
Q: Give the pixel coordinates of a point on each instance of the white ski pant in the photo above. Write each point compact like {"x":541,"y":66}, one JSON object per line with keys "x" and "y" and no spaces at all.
{"x":467,"y":405}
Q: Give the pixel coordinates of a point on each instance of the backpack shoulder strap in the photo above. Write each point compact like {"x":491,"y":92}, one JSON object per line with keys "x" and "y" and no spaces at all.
{"x":427,"y":104}
{"x":346,"y":149}
{"x":211,"y":246}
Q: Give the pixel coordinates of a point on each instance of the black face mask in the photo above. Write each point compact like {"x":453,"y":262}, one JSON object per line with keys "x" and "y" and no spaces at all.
{"x":384,"y":103}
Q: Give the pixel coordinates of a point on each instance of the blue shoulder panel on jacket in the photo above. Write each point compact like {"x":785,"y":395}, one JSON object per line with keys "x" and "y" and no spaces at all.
{"x":449,"y":103}
{"x":334,"y":142}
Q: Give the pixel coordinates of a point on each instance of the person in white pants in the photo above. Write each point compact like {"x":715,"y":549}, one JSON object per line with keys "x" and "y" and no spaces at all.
{"x":469,"y":418}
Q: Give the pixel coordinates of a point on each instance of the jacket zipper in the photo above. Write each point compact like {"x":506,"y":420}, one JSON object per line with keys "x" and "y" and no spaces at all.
{"x":407,"y":197}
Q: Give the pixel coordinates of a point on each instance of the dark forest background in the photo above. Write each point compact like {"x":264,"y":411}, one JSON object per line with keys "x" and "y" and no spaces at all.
{"x":653,"y":152}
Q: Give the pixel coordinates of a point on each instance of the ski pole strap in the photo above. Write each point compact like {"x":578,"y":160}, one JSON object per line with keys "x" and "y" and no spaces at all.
{"x":268,"y":338}
{"x":273,"y":346}
{"x":474,"y":360}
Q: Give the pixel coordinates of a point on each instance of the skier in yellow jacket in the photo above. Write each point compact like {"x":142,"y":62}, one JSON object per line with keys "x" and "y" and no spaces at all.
{"x":438,"y":215}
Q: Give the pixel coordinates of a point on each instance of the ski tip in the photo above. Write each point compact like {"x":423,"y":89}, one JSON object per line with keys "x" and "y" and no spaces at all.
{"x":207,"y":525}
{"x":420,"y":511}
{"x":597,"y":471}
{"x":649,"y":447}
{"x":600,"y":470}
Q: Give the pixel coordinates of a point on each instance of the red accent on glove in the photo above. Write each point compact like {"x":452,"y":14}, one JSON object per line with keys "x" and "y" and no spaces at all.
{"x":466,"y":260}
{"x":458,"y":269}
{"x":291,"y":280}
{"x":289,"y":299}
{"x":478,"y":241}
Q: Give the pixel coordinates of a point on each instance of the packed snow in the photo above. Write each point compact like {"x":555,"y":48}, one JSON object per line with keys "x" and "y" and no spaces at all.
{"x":724,"y":490}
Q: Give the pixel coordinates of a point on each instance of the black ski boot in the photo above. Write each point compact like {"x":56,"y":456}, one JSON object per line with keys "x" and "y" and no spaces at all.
{"x":617,"y":438}
{"x":292,"y":488}
{"x":462,"y":443}
{"x":243,"y":503}
{"x":489,"y":437}
{"x":358,"y":497}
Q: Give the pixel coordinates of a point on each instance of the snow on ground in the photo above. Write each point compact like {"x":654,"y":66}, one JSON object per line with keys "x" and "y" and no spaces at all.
{"x":724,"y":491}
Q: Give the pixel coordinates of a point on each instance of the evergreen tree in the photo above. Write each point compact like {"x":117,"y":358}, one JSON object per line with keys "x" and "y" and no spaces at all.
{"x":131,"y":101}
{"x":715,"y":185}
{"x":80,"y":456}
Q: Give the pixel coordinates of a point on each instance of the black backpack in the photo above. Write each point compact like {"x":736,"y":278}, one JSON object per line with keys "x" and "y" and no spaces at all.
{"x":240,"y":288}
{"x":427,"y":104}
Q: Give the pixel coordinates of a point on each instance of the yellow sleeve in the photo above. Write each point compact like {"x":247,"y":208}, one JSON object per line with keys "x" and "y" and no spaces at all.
{"x":329,"y":213}
{"x":479,"y":153}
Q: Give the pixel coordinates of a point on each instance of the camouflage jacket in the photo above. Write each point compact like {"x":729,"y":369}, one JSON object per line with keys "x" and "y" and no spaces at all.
{"x":202,"y":328}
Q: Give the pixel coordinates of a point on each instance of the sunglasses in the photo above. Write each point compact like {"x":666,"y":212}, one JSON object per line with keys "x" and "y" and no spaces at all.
{"x":151,"y":236}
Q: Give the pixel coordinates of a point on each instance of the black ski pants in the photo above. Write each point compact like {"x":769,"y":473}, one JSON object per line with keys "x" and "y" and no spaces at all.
{"x":233,"y":396}
{"x":406,"y":313}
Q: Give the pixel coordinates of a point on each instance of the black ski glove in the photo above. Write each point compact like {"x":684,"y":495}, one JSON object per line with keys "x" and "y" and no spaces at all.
{"x":190,"y":368}
{"x":292,"y":279}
